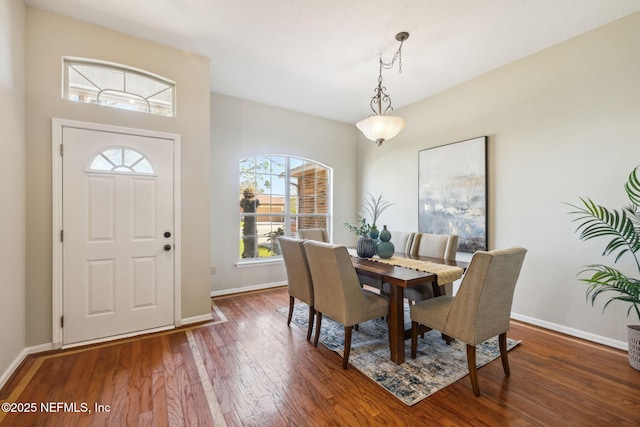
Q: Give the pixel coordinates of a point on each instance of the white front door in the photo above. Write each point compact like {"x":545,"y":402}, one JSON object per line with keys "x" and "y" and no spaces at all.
{"x":118,"y":234}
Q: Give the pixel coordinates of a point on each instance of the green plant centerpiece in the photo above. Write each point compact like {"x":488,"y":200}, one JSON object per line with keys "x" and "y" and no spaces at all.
{"x":374,"y":207}
{"x":367,"y":232}
{"x":623,"y":228}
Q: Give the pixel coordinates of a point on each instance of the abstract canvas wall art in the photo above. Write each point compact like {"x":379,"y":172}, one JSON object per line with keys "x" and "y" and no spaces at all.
{"x":452,"y":192}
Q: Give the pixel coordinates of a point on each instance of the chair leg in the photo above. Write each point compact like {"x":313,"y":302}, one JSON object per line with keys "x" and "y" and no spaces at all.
{"x":502,"y":339}
{"x":318,"y":324}
{"x":414,"y":339}
{"x":291,"y":302}
{"x":347,"y":346}
{"x":473,"y":370}
{"x":312,"y":312}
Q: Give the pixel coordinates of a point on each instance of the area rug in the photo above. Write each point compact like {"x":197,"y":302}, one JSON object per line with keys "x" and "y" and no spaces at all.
{"x":436,"y":366}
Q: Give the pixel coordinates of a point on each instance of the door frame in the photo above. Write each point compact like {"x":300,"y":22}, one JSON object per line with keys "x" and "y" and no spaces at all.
{"x":57,"y":126}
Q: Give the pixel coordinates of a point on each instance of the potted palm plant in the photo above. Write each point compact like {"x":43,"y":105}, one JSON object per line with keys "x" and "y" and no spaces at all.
{"x":623,"y":228}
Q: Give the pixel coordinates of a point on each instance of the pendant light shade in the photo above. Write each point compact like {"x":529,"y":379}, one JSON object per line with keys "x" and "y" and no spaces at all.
{"x":381,"y":128}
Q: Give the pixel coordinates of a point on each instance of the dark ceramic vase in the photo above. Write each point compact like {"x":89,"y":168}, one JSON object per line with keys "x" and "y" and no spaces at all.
{"x":365,"y":247}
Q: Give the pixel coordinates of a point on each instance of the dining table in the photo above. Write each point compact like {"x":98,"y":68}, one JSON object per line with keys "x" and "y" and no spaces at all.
{"x":403,"y":271}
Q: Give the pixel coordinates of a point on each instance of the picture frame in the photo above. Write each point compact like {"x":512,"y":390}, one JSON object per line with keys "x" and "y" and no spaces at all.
{"x":452,"y":192}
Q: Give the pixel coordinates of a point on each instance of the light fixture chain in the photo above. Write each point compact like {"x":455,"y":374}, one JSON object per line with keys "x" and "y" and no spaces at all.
{"x":380,"y":95}
{"x":396,"y":56}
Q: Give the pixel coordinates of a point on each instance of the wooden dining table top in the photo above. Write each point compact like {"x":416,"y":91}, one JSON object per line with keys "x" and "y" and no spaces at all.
{"x":402,"y":276}
{"x":377,"y":273}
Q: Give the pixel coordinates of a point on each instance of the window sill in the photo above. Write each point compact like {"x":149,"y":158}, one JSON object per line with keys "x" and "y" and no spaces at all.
{"x":259,"y":262}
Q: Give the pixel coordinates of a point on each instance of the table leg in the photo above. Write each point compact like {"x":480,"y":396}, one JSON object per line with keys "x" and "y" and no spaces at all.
{"x":437,"y":290}
{"x":396,"y":323}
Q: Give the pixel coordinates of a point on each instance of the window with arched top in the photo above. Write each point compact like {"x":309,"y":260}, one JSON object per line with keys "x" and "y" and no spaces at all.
{"x":280,"y":196}
{"x":121,"y":159}
{"x":118,"y":86}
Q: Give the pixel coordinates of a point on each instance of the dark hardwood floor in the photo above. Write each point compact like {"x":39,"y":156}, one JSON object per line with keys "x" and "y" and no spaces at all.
{"x":253,"y":370}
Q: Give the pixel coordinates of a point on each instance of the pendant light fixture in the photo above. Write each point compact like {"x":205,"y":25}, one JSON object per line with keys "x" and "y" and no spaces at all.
{"x":381,"y":127}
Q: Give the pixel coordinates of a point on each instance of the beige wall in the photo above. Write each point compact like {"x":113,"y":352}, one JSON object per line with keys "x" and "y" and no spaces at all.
{"x":241,"y":129}
{"x":12,"y":183}
{"x":49,"y":38}
{"x":561,"y":124}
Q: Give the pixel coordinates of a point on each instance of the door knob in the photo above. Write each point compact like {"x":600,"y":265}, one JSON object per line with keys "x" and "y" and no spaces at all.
{"x":167,"y":247}
{"x":167,"y":234}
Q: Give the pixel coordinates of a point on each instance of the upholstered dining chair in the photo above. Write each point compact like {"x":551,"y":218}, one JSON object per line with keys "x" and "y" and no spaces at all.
{"x":337,"y":292}
{"x":480,"y":310}
{"x":444,"y":246}
{"x":402,"y":241}
{"x":318,"y":234}
{"x":299,"y":281}
{"x":435,"y":245}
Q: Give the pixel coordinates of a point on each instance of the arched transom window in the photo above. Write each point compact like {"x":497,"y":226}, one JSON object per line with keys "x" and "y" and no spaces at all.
{"x":121,"y":159}
{"x":114,"y":85}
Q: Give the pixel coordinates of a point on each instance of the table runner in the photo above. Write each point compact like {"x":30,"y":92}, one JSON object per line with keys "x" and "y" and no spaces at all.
{"x":445,"y":273}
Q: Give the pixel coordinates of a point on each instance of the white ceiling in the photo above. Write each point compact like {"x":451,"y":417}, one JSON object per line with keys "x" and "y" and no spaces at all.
{"x":321,"y":56}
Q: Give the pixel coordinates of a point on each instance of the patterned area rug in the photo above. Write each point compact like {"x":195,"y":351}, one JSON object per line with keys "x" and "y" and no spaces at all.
{"x":436,"y":366}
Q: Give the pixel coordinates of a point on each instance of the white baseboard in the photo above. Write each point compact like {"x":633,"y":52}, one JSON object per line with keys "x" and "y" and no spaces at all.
{"x":18,"y":360}
{"x":622,"y":345}
{"x":247,"y":289}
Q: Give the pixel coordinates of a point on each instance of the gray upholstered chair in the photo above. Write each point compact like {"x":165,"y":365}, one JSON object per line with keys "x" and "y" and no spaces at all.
{"x":299,"y":281}
{"x":318,"y":234}
{"x":443,"y":246}
{"x":435,"y":245}
{"x":337,"y":291}
{"x":402,"y":241}
{"x":480,"y":310}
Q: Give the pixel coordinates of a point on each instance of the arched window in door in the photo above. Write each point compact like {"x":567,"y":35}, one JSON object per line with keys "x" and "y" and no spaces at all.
{"x":121,"y":159}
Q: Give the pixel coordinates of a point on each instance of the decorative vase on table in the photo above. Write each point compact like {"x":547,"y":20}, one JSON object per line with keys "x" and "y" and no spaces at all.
{"x":385,"y":248}
{"x":365,"y":247}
